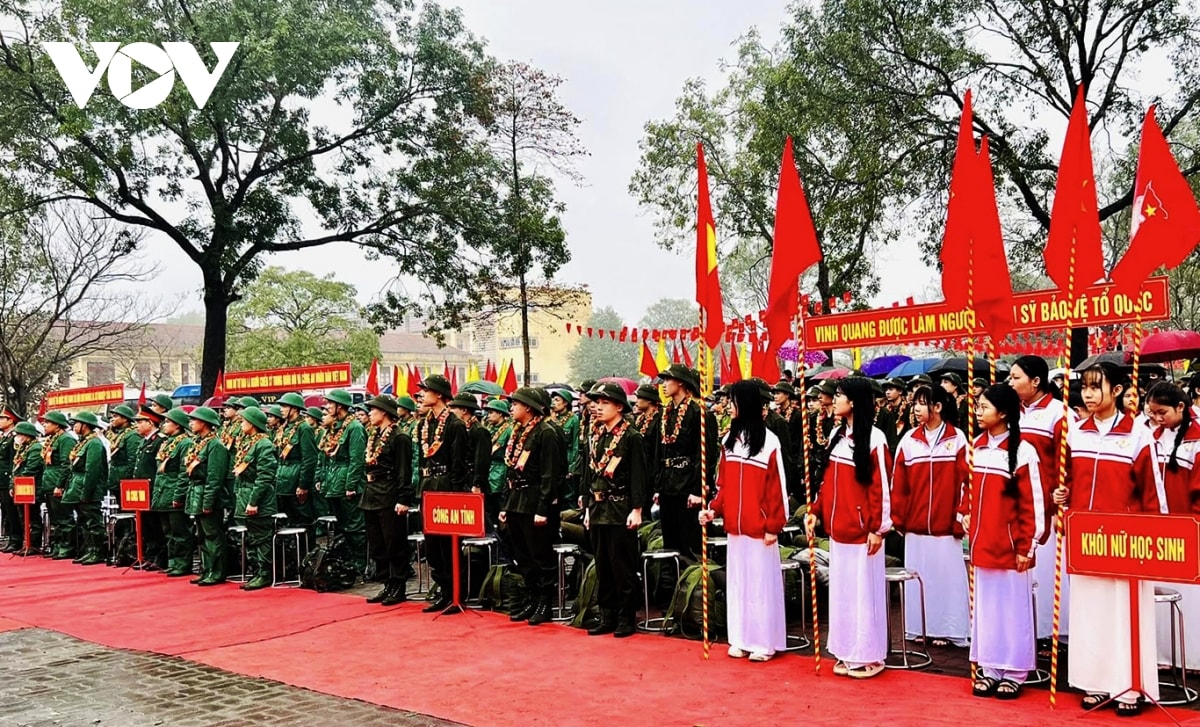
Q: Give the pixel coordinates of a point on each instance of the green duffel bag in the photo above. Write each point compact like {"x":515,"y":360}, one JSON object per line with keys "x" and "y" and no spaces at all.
{"x":587,"y":603}
{"x":685,"y":614}
{"x":502,"y":590}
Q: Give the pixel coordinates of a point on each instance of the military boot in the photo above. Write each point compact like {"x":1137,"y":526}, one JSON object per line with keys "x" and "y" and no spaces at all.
{"x":257,"y":583}
{"x":379,"y":597}
{"x":607,"y":624}
{"x":92,"y":557}
{"x":523,"y":613}
{"x":395,"y":595}
{"x":625,"y":626}
{"x":541,"y":614}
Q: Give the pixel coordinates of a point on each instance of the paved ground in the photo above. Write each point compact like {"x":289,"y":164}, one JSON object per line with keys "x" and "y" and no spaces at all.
{"x":52,"y":680}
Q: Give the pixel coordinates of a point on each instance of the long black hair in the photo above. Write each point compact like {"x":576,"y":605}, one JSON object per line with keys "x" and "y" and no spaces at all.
{"x":1006,"y":401}
{"x":1035,"y":367}
{"x":747,"y":398}
{"x":1108,"y":371}
{"x":862,"y":397}
{"x":930,"y":396}
{"x":1164,"y":393}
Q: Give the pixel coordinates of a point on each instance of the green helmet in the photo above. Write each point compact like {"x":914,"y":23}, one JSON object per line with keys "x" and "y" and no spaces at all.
{"x":179,"y":416}
{"x":255,"y":416}
{"x":292,"y":399}
{"x":206,"y":415}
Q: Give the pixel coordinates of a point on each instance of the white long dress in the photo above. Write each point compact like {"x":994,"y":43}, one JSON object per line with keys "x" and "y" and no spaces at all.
{"x":939,"y":560}
{"x":858,"y":605}
{"x":754,"y":596}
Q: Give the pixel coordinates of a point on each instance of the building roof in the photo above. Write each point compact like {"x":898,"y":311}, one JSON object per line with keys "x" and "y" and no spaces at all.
{"x":394,"y":342}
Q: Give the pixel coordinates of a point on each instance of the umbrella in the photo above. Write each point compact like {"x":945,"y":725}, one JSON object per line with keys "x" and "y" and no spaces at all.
{"x":1170,"y":346}
{"x":884,"y":364}
{"x":958,"y":365}
{"x":790,"y":351}
{"x":913,"y":367}
{"x":482,"y":387}
{"x":1120,"y":358}
{"x":628,"y":385}
{"x":834,"y":373}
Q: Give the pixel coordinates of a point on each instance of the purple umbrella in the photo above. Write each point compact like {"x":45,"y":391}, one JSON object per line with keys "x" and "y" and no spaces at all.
{"x":882,"y":365}
{"x":790,"y":351}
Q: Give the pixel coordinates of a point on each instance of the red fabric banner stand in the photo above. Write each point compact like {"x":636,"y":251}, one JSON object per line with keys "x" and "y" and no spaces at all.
{"x":457,"y":514}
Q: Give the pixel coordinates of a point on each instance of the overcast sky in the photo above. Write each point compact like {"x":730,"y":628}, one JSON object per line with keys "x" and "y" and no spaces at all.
{"x":624,"y":63}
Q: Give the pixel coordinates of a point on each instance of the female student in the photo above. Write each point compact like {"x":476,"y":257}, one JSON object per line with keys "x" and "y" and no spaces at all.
{"x":854,"y":503}
{"x":1003,"y":517}
{"x":1176,"y":444}
{"x":1043,"y":425}
{"x":1112,"y":469}
{"x":752,"y":498}
{"x":927,"y":483}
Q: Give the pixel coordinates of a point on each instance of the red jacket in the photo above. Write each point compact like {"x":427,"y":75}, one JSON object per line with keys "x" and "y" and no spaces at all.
{"x":1043,"y":426}
{"x":1114,"y":472}
{"x":927,"y":482}
{"x":850,"y":510}
{"x":1183,"y":485}
{"x":1003,"y":527}
{"x":751,"y":491}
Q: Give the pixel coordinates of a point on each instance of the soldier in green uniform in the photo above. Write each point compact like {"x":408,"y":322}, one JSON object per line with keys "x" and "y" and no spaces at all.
{"x":952,"y":383}
{"x":676,"y":466}
{"x":297,"y":447}
{"x":346,"y":446}
{"x":122,"y":445}
{"x":145,"y":466}
{"x":161,"y":404}
{"x":206,"y":469}
{"x":169,"y":494}
{"x":820,"y":427}
{"x":319,"y":422}
{"x":500,"y":429}
{"x":568,"y":421}
{"x":274,"y":419}
{"x":231,"y":427}
{"x":893,"y":418}
{"x":721,"y":411}
{"x":536,"y":458}
{"x":8,"y":511}
{"x":479,"y":441}
{"x":56,"y":476}
{"x":442,"y":441}
{"x":27,"y":462}
{"x":407,"y":410}
{"x":616,"y":494}
{"x":255,"y":467}
{"x":776,"y":423}
{"x":386,"y":499}
{"x":89,"y":478}
{"x":792,"y":413}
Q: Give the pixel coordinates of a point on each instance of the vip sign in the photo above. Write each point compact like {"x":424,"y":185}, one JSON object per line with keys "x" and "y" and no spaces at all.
{"x":118,"y":60}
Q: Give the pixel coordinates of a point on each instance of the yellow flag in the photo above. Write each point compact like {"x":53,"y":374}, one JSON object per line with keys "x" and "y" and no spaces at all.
{"x":473,"y":373}
{"x":400,"y":385}
{"x":663,"y":363}
{"x":746,"y":360}
{"x":503,"y":373}
{"x":857,"y":358}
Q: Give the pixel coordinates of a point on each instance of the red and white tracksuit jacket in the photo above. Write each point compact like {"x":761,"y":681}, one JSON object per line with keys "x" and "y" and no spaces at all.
{"x":751,"y":491}
{"x":1182,"y":486}
{"x":927,"y":482}
{"x":850,"y":510}
{"x":1002,"y":526}
{"x":1114,"y":471}
{"x":1043,"y":425}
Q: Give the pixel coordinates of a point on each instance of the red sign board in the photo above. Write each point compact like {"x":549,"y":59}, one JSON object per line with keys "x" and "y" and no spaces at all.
{"x":24,"y":491}
{"x":453,"y":513}
{"x":93,"y":396}
{"x":135,"y":494}
{"x":1138,"y":546}
{"x":326,"y":376}
{"x":1040,"y":310}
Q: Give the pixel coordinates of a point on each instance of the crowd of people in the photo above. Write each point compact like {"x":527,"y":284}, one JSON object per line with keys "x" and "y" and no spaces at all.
{"x":907,"y":466}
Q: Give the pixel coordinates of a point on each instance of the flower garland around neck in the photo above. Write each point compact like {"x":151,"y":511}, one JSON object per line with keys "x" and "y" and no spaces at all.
{"x":822,"y":437}
{"x":167,"y":450}
{"x":193,"y":456}
{"x":19,"y":451}
{"x":48,"y":448}
{"x":333,"y":436}
{"x":600,"y":466}
{"x":430,"y":448}
{"x":379,"y":440}
{"x":77,"y":450}
{"x":643,"y":421}
{"x":498,"y":432}
{"x":516,"y":445}
{"x":243,"y":451}
{"x":680,"y":410}
{"x":283,"y":437}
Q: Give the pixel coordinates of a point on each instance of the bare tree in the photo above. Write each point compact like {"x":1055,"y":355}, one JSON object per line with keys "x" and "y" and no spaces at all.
{"x":61,"y":274}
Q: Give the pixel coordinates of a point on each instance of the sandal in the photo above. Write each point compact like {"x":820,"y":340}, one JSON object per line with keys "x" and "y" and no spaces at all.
{"x":1092,"y":701}
{"x":984,"y":687}
{"x":941,"y":643}
{"x":1008,"y":689}
{"x":1129,"y":709}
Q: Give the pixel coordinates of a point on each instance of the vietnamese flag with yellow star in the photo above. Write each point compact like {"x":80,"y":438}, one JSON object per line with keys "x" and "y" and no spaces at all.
{"x":1166,"y":222}
{"x":708,"y":284}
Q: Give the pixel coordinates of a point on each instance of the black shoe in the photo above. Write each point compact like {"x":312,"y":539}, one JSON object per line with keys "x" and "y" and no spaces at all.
{"x":379,"y":597}
{"x":395,"y":595}
{"x":210,"y":581}
{"x":625,"y":627}
{"x":607,"y":625}
{"x":196,"y":581}
{"x":541,"y":614}
{"x":452,"y":610}
{"x":438,"y":605}
{"x":523,"y":613}
{"x":179,"y":573}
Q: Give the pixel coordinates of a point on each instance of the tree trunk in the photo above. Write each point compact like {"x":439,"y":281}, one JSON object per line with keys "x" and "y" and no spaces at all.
{"x":216,"y":325}
{"x":1079,"y":346}
{"x":525,"y":325}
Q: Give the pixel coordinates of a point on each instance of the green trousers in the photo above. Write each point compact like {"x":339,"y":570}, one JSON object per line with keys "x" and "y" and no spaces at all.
{"x":91,"y":527}
{"x":352,"y":526}
{"x":63,"y":529}
{"x":181,"y":539}
{"x":258,"y":544}
{"x":212,"y":546}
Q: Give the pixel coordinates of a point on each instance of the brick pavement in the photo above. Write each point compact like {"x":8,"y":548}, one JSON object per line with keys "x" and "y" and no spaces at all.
{"x":53,"y":680}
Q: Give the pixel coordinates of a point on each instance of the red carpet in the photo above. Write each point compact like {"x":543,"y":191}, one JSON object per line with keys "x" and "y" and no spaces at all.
{"x":482,"y":669}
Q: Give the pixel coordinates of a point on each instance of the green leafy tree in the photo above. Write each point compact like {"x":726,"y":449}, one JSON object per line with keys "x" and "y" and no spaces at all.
{"x":595,"y":357}
{"x":670,"y":313}
{"x":265,"y":167}
{"x":294,"y":318}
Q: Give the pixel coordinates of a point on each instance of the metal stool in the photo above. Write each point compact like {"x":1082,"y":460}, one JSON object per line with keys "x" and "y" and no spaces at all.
{"x":279,"y":520}
{"x":113,"y":519}
{"x":240,"y":531}
{"x":714,"y":543}
{"x":1173,"y":598}
{"x":1037,"y":676}
{"x":790,"y":531}
{"x":655,"y":625}
{"x":911,"y":658}
{"x":330,"y":525}
{"x":276,"y":572}
{"x":418,"y":542}
{"x":562,"y":550}
{"x":488,"y":542}
{"x":801,"y":640}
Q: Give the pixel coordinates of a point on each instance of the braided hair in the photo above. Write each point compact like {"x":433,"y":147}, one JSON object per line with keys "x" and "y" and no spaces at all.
{"x":1164,"y":393}
{"x":862,"y":397}
{"x":1006,"y":401}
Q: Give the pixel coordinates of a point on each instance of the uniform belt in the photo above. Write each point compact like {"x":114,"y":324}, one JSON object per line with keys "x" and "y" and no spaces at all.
{"x":677,"y":463}
{"x":378,"y":476}
{"x":515,"y":484}
{"x":434,"y":470}
{"x":610,"y":496}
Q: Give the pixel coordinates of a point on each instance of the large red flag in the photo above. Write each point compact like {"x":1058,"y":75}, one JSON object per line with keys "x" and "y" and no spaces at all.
{"x":510,"y":378}
{"x":687,"y":356}
{"x":1166,"y":222}
{"x":795,"y":248}
{"x":647,"y":366}
{"x":993,"y":290}
{"x":708,"y":283}
{"x":142,"y":396}
{"x":414,"y":381}
{"x":735,"y":366}
{"x":219,"y":390}
{"x":764,"y":364}
{"x":1075,"y":217}
{"x":373,"y":378}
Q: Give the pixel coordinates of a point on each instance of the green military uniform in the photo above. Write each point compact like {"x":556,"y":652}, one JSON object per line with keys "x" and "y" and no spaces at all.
{"x":207,"y":467}
{"x":571,"y":427}
{"x":8,"y":511}
{"x":255,"y":467}
{"x":388,"y":484}
{"x":346,"y":446}
{"x":649,"y":422}
{"x":122,"y":451}
{"x":27,"y":462}
{"x":89,"y":478}
{"x":297,"y":447}
{"x":442,"y":441}
{"x":145,"y":465}
{"x":615,"y":485}
{"x":319,"y":507}
{"x":169,"y":494}
{"x":56,"y":475}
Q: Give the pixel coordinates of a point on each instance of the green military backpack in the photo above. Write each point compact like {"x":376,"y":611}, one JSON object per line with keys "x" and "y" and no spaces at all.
{"x":502,"y":590}
{"x":685,"y":614}
{"x":587,"y":603}
{"x":329,"y":568}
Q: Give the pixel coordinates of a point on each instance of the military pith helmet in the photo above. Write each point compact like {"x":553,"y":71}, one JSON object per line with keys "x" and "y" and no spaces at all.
{"x":894,"y":383}
{"x":952,"y":378}
{"x":57,"y":417}
{"x":828,"y":387}
{"x":273,"y":411}
{"x":438,"y":384}
{"x":341,"y":397}
{"x":529,"y":397}
{"x":179,"y":416}
{"x":164,"y":401}
{"x":764,"y":389}
{"x":86,"y":417}
{"x":876,"y":386}
{"x":315,"y":412}
{"x":149,"y":415}
{"x":586,"y":386}
{"x":813,"y":392}
{"x":292,"y":399}
{"x":565,"y":394}
{"x":919,"y":380}
{"x":248,"y":401}
{"x":206,"y":415}
{"x":255,"y":416}
{"x":11,"y":411}
{"x":649,"y":392}
{"x":981,"y":382}
{"x":385,"y":404}
{"x":124,"y":410}
{"x":612,"y":392}
{"x":27,"y":429}
{"x":464,"y":401}
{"x":406,"y":403}
{"x":784,"y":387}
{"x":685,"y":375}
{"x":499,"y":405}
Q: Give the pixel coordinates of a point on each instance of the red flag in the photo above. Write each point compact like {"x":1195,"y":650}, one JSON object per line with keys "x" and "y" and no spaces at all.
{"x":396,"y":381}
{"x":510,"y":378}
{"x":1166,"y":222}
{"x":219,"y":390}
{"x":1075,"y":217}
{"x":647,"y":366}
{"x":708,"y":282}
{"x":414,"y":381}
{"x":373,"y":378}
{"x":454,"y":379}
{"x":956,"y":240}
{"x":764,"y":364}
{"x":43,"y":407}
{"x":735,"y":366}
{"x":724,"y":367}
{"x":687,"y":357}
{"x":675,"y":354}
{"x":446,"y":370}
{"x":490,"y":373}
{"x":993,"y":289}
{"x":142,"y":396}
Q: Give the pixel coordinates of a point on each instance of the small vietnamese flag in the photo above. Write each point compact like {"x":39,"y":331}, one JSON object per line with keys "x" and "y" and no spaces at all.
{"x":373,"y":378}
{"x":219,"y":390}
{"x":687,"y":357}
{"x":142,"y":396}
{"x":708,"y":282}
{"x":647,"y":366}
{"x":44,"y":406}
{"x":414,"y":381}
{"x":735,"y":366}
